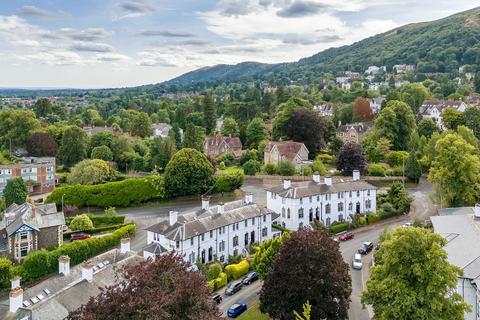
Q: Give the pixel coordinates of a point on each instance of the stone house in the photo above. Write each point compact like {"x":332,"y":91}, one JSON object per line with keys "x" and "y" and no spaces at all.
{"x":353,"y":132}
{"x":28,"y":227}
{"x":213,"y":146}
{"x":276,"y":151}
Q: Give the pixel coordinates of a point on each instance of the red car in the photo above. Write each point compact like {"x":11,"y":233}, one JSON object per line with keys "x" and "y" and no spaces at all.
{"x":345,"y":235}
{"x":79,"y":236}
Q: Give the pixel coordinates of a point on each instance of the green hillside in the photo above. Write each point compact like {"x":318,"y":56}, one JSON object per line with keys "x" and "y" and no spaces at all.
{"x":438,"y":46}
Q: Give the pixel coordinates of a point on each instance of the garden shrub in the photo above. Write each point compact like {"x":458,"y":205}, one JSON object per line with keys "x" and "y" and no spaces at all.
{"x":66,"y":235}
{"x":6,"y":273}
{"x":374,"y":217}
{"x":398,"y":171}
{"x":80,"y":223}
{"x":102,"y":219}
{"x":270,"y":168}
{"x":339,"y":227}
{"x":251,"y":167}
{"x":396,"y":158}
{"x":236,"y":271}
{"x":227,"y":158}
{"x":226,"y":182}
{"x":219,"y":282}
{"x":286,"y":168}
{"x":214,"y":270}
{"x":326,"y":158}
{"x":376,"y":170}
{"x":306,"y":171}
{"x":37,"y":264}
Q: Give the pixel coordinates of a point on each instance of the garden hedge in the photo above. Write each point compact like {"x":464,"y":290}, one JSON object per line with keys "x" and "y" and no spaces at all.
{"x":102,"y":219}
{"x":219,"y":282}
{"x":112,"y":194}
{"x":336,"y":228}
{"x":235,"y":271}
{"x":226,"y":182}
{"x":40,"y":263}
{"x":66,"y":235}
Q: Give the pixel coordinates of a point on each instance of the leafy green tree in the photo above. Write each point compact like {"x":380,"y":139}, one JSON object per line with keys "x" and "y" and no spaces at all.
{"x":15,"y":191}
{"x":318,"y":166}
{"x":398,"y":196}
{"x":328,"y":292}
{"x":455,"y":171}
{"x":43,"y":107}
{"x":413,"y":170}
{"x":92,"y":117}
{"x":188,"y":172}
{"x":412,"y":278}
{"x":88,"y":172}
{"x":265,"y":254}
{"x":81,"y":222}
{"x":6,"y":273}
{"x":74,"y":146}
{"x":141,"y":125}
{"x":426,"y":127}
{"x":452,"y":118}
{"x":195,"y":118}
{"x":161,"y":151}
{"x":230,"y":127}
{"x":467,"y":135}
{"x":210,"y":113}
{"x":103,"y":138}
{"x":103,"y":153}
{"x":283,"y":115}
{"x":256,"y":132}
{"x":477,"y":82}
{"x":396,"y":122}
{"x":343,"y":114}
{"x":351,"y":157}
{"x":163,"y":116}
{"x":194,"y":137}
{"x":251,"y":167}
{"x":471,"y":118}
{"x":286,"y":168}
{"x":16,"y":126}
{"x":414,"y":94}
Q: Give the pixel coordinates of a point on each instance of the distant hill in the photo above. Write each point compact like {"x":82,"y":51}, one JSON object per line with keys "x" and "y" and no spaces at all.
{"x":437,"y":46}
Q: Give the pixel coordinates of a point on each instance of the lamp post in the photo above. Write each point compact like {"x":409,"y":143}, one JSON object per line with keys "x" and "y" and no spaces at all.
{"x":63,"y":195}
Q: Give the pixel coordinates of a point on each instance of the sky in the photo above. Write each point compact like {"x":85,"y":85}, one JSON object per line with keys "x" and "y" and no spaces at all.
{"x":107,"y":43}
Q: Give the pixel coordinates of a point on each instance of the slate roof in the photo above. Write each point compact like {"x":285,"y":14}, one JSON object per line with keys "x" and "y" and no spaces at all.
{"x":45,"y":216}
{"x":197,"y":222}
{"x":155,"y":248}
{"x":310,"y":188}
{"x":360,"y":127}
{"x":216,"y":141}
{"x":287,"y":149}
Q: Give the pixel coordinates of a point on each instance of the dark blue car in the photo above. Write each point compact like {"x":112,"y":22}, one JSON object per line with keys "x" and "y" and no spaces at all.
{"x":236,"y":309}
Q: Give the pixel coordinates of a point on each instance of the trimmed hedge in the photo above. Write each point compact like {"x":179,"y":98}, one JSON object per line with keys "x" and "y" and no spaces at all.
{"x":102,"y":219}
{"x":219,"y":282}
{"x":226,"y":182}
{"x":66,"y":235}
{"x":112,"y":194}
{"x":235,"y":271}
{"x":279,"y":227}
{"x":343,"y":226}
{"x":40,"y":263}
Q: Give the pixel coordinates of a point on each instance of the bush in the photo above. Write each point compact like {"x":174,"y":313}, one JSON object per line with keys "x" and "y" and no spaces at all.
{"x":374,"y":217}
{"x":306,"y":171}
{"x":376,"y":170}
{"x":236,"y":271}
{"x":94,"y":171}
{"x":279,"y":228}
{"x":396,"y":158}
{"x":92,"y":231}
{"x":387,"y":210}
{"x":227,"y":158}
{"x":326,"y":158}
{"x":248,"y":155}
{"x":251,"y":167}
{"x":319,"y":167}
{"x":339,"y":227}
{"x":112,"y":194}
{"x":398,"y":171}
{"x":219,"y":282}
{"x":80,"y":223}
{"x":6,"y":273}
{"x":226,"y":182}
{"x":102,"y":153}
{"x":270,"y":168}
{"x":102,"y":219}
{"x":235,"y":259}
{"x":286,"y":168}
{"x":214,"y":270}
{"x":37,"y":264}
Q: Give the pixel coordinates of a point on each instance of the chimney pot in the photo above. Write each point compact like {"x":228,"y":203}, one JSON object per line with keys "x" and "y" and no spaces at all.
{"x":87,"y":271}
{"x":287,"y":184}
{"x":205,"y":202}
{"x":316,"y":177}
{"x":221,"y":208}
{"x":328,"y":181}
{"x":15,"y":281}
{"x":125,"y":245}
{"x":476,"y":211}
{"x":248,"y":198}
{"x":64,"y":265}
{"x":16,"y":299}
{"x":356,"y":175}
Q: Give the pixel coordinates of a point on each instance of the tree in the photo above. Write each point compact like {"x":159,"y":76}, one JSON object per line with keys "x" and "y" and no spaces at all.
{"x":306,"y":126}
{"x":81,"y":222}
{"x":397,"y":195}
{"x":306,"y":314}
{"x":477,"y":82}
{"x":141,"y":125}
{"x":455,"y":171}
{"x":6,"y":273}
{"x":471,"y":119}
{"x":452,"y":118}
{"x":43,"y":107}
{"x":41,"y":144}
{"x":15,"y":191}
{"x":251,"y":167}
{"x":165,"y":288}
{"x":188,"y":172}
{"x":161,"y":151}
{"x":351,"y":157}
{"x":194,"y":137}
{"x":103,"y":153}
{"x":285,"y":110}
{"x":426,"y":127}
{"x":210,"y":113}
{"x":286,"y":168}
{"x":256,"y":132}
{"x":230,"y":127}
{"x":16,"y":126}
{"x":265,"y":254}
{"x":91,"y":172}
{"x":361,"y":109}
{"x":103,"y":138}
{"x":318,"y":166}
{"x":74,"y":146}
{"x":315,"y":254}
{"x":412,"y":278}
{"x":396,"y":122}
{"x":414,"y":94}
{"x":413,"y":170}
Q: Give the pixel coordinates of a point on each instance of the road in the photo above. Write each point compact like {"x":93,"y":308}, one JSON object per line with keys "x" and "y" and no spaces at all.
{"x":248,"y":295}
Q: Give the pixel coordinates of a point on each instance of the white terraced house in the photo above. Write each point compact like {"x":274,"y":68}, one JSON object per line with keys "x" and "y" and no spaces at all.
{"x":300,"y":203}
{"x":211,"y":233}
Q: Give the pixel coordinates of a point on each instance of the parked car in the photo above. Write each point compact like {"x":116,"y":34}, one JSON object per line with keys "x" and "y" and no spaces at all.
{"x":357,"y":261}
{"x":250,"y":277}
{"x":79,"y":236}
{"x":366,"y":247}
{"x":236,"y":309}
{"x":217,"y":298}
{"x":233,"y":287}
{"x":407,"y":224}
{"x":345,"y":235}
{"x":65,"y":228}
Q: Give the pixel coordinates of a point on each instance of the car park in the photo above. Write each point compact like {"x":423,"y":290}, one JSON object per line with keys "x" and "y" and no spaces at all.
{"x":250,"y":277}
{"x":357,"y":261}
{"x":236,"y":309}
{"x":366,"y":247}
{"x":345,"y":235}
{"x":217,"y":298}
{"x":233,"y":287}
{"x":79,"y":236}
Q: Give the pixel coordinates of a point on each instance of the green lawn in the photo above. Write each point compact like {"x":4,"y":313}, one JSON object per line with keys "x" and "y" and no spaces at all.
{"x":254,"y":314}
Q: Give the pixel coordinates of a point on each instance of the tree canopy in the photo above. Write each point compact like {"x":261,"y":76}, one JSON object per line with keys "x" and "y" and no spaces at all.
{"x":15,"y":191}
{"x":351,"y":157}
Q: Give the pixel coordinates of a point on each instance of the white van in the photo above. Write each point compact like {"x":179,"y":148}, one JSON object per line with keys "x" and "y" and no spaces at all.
{"x":357,"y":261}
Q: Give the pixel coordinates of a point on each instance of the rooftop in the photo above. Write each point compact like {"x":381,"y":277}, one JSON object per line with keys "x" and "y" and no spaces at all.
{"x":35,"y":217}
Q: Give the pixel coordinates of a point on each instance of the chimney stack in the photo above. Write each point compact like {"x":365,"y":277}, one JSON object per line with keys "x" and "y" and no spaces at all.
{"x":287,"y":184}
{"x":172,"y":216}
{"x":316,"y":177}
{"x":15,"y":282}
{"x":221,"y":208}
{"x":205,"y":202}
{"x":124,"y":245}
{"x":16,"y":299}
{"x":87,"y":271}
{"x":476,"y":211}
{"x":64,"y":265}
{"x":328,"y":181}
{"x":248,"y":198}
{"x":356,"y":175}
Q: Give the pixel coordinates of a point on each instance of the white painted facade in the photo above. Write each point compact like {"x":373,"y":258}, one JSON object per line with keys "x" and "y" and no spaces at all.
{"x":332,"y":202}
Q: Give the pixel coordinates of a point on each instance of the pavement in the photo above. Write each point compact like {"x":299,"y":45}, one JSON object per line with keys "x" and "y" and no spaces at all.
{"x":248,"y":295}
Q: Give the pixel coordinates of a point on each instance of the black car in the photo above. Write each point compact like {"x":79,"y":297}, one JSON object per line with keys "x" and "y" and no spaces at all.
{"x":217,"y":298}
{"x":365,"y":248}
{"x":250,"y":277}
{"x":233,"y":287}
